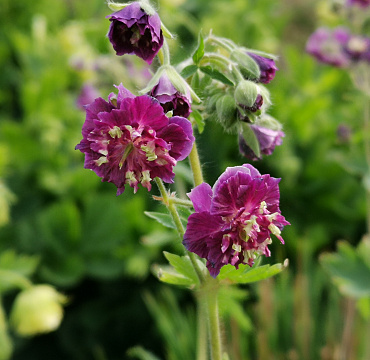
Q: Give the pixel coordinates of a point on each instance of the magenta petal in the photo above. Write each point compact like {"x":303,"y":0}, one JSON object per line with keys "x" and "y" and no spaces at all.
{"x":201,"y":196}
{"x":200,"y":227}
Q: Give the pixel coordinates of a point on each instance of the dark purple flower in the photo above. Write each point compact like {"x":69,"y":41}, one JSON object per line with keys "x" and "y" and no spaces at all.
{"x":329,"y":46}
{"x":129,"y":140}
{"x":267,"y":139}
{"x":361,"y":3}
{"x":133,"y":31}
{"x":170,"y":98}
{"x":88,"y":94}
{"x":267,"y":67}
{"x":234,"y":220}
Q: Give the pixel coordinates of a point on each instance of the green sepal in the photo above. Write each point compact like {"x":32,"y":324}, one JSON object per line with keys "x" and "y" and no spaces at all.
{"x":216,"y":75}
{"x":188,"y":71}
{"x":349,"y":268}
{"x":198,"y":118}
{"x":199,"y":52}
{"x":180,"y":272}
{"x":116,"y":6}
{"x":226,"y":112}
{"x":247,"y":66}
{"x":246,"y":274}
{"x":250,"y":138}
{"x":166,"y":32}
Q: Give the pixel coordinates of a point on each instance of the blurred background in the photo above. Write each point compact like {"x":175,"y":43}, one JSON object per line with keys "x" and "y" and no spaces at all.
{"x":60,"y":225}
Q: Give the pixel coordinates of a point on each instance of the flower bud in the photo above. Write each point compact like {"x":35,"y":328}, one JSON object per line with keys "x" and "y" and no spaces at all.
{"x":247,"y":65}
{"x":226,"y":111}
{"x":246,"y":94}
{"x":267,"y":67}
{"x":37,"y":310}
{"x":267,"y":132}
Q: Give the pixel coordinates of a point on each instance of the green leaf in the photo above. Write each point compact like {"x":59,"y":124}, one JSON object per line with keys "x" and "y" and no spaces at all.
{"x":199,"y":52}
{"x":15,"y":269}
{"x":197,"y":116}
{"x":216,"y":75}
{"x":169,"y":275}
{"x":349,"y":268}
{"x":250,"y":138}
{"x":182,"y":265}
{"x":188,"y":71}
{"x":164,"y":219}
{"x":246,"y":274}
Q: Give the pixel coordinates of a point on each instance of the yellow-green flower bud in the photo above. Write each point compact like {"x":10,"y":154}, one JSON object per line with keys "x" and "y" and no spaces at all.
{"x":37,"y":310}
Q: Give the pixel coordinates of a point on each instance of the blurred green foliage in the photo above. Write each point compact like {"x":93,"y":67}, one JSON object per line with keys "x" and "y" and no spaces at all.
{"x":98,"y":249}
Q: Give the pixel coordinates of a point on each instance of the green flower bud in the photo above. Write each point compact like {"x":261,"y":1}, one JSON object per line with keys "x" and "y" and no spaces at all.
{"x":226,"y":111}
{"x":246,"y":93}
{"x":247,"y":65}
{"x":37,"y":310}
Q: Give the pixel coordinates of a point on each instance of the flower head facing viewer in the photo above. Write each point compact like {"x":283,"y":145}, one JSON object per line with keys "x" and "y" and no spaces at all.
{"x":133,"y":31}
{"x":234,"y":220}
{"x":129,"y":140}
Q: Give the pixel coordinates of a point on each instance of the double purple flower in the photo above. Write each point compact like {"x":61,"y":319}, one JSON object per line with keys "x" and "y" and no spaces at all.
{"x":133,"y":31}
{"x":129,"y":140}
{"x":234,"y":220}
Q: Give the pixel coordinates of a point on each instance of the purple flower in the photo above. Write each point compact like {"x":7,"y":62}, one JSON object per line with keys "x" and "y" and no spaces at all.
{"x":234,"y":220}
{"x":88,"y":94}
{"x":358,"y":48}
{"x":329,"y":46}
{"x":267,"y":139}
{"x":267,"y":67}
{"x":129,"y":140}
{"x":133,"y":31}
{"x":170,"y":98}
{"x":361,"y":3}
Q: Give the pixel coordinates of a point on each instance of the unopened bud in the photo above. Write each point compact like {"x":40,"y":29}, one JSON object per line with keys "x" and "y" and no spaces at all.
{"x":247,"y":65}
{"x":246,"y":93}
{"x":37,"y":310}
{"x":226,"y":111}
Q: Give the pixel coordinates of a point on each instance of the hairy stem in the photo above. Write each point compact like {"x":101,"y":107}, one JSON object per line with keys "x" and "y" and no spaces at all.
{"x":195,"y":166}
{"x":177,"y":220}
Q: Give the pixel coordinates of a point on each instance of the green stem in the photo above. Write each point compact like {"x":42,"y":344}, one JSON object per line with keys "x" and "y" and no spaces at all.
{"x":195,"y":166}
{"x":367,"y":152}
{"x":214,"y":325}
{"x":202,"y":353}
{"x":180,"y":228}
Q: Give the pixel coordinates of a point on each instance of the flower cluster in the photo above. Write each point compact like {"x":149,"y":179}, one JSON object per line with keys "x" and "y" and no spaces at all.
{"x":129,"y":140}
{"x":234,"y":220}
{"x":338,"y":47}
